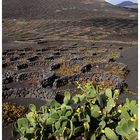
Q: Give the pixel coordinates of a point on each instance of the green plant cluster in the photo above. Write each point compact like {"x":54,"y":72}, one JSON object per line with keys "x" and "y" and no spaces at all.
{"x":90,"y":115}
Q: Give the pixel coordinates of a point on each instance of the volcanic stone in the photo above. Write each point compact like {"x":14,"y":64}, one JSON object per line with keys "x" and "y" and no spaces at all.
{"x":55,"y":66}
{"x":14,"y":58}
{"x":21,"y":54}
{"x":56,"y":53}
{"x":4,"y":65}
{"x":111,"y":60}
{"x":27,"y":49}
{"x":4,"y":53}
{"x":22,"y":66}
{"x":49,"y":81}
{"x":23,"y":76}
{"x":94,"y":54}
{"x":8,"y":80}
{"x":61,"y":82}
{"x":33,"y":58}
{"x":86,"y":68}
{"x":50,"y":58}
{"x":120,"y":48}
{"x":44,"y":49}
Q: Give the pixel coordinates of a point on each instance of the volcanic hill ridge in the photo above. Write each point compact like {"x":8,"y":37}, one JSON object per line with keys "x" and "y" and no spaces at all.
{"x":62,"y":9}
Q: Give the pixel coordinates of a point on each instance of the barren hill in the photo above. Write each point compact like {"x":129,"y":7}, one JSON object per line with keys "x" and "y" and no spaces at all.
{"x":61,"y":9}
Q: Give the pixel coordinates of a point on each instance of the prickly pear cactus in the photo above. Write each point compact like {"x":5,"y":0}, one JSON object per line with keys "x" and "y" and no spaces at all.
{"x":96,"y":117}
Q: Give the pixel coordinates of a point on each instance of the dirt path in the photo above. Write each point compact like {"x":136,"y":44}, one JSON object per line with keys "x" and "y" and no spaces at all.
{"x":96,"y":41}
{"x":130,"y":58}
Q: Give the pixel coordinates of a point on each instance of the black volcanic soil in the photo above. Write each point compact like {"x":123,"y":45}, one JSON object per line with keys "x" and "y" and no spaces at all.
{"x":61,"y":9}
{"x":130,"y":58}
{"x":50,"y":45}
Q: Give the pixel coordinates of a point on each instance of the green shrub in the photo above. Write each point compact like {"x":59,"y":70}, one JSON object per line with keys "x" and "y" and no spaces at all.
{"x":96,"y":116}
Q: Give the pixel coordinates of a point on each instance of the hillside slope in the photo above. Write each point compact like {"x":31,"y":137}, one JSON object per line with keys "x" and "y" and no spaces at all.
{"x":61,"y":9}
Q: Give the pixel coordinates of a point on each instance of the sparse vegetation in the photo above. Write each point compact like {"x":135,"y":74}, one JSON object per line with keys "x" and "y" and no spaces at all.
{"x":100,"y":86}
{"x":11,"y":112}
{"x":96,"y":50}
{"x":67,"y":70}
{"x":47,"y":47}
{"x":113,"y":56}
{"x":118,"y":72}
{"x":61,"y":59}
{"x":94,"y":60}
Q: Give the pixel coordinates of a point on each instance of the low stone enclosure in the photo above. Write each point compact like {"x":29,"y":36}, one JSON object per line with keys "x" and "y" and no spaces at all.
{"x":43,"y":58}
{"x":47,"y":69}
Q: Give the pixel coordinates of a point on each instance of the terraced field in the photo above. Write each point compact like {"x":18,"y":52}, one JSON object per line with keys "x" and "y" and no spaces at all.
{"x":93,"y":30}
{"x":42,"y":72}
{"x":47,"y":52}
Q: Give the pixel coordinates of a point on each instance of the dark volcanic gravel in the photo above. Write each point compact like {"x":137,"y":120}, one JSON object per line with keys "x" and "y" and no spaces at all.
{"x":74,"y":40}
{"x":130,"y":58}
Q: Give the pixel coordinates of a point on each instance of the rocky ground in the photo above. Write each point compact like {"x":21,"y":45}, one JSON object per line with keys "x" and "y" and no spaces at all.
{"x":47,"y":52}
{"x":49,"y":46}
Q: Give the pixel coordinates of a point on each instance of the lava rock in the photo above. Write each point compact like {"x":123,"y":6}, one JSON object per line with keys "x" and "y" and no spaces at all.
{"x":56,"y":53}
{"x":94,"y":54}
{"x":4,"y":65}
{"x":38,"y":53}
{"x":22,"y":66}
{"x":112,"y":60}
{"x":38,"y":50}
{"x":21,"y":50}
{"x":55,"y":66}
{"x":49,"y":58}
{"x":33,"y":58}
{"x":8,"y":80}
{"x":28,"y":49}
{"x":61,"y":82}
{"x":14,"y":58}
{"x":4,"y":53}
{"x":3,"y":58}
{"x":10,"y":50}
{"x":49,"y":81}
{"x":8,"y":73}
{"x":120,"y":48}
{"x":63,"y":50}
{"x":44,"y":49}
{"x":4,"y":87}
{"x":22,"y":76}
{"x":10,"y":53}
{"x":59,"y":98}
{"x":75,"y":44}
{"x":86,"y":68}
{"x":22,"y":54}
